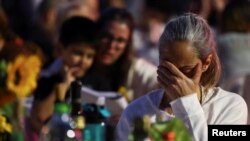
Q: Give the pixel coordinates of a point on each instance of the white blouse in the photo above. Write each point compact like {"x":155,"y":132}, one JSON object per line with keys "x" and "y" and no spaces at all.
{"x":217,"y":107}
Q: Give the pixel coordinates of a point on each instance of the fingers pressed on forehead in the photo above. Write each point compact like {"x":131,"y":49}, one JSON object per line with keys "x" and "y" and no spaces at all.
{"x":160,"y":80}
{"x":164,"y":69}
{"x":164,"y":82}
{"x":165,"y":74}
{"x":173,"y":69}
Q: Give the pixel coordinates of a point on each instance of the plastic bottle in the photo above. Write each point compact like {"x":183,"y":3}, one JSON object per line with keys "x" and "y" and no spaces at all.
{"x":95,"y":121}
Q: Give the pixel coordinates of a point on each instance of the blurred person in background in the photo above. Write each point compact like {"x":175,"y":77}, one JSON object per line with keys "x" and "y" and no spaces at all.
{"x":234,"y":40}
{"x":70,"y":8}
{"x":212,"y":10}
{"x":20,"y":15}
{"x":38,"y":21}
{"x":85,"y":8}
{"x":6,"y":31}
{"x":150,"y":24}
{"x":77,"y":35}
{"x":149,"y":29}
{"x":112,"y":3}
{"x":234,"y":48}
{"x":44,"y":30}
{"x":116,"y":66}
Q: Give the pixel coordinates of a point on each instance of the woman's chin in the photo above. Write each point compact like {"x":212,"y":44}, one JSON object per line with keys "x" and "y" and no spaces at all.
{"x":106,"y":62}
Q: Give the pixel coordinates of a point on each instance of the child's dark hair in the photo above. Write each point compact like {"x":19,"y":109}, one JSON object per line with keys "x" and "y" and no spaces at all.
{"x":78,"y":30}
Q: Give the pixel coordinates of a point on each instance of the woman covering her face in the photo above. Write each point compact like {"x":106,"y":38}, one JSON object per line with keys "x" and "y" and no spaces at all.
{"x":188,"y":73}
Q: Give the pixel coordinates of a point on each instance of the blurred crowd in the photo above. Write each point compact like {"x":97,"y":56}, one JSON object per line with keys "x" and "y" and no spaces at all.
{"x":112,"y":46}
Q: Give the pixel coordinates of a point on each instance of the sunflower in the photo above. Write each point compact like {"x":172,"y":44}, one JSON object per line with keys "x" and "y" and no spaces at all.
{"x":22,"y":74}
{"x":4,"y":125}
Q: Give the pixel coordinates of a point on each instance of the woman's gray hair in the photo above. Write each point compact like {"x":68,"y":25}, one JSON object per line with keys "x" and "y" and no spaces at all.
{"x":194,"y":29}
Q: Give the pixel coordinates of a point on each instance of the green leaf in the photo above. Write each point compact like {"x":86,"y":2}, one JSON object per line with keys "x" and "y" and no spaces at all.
{"x":3,"y":65}
{"x":175,"y":125}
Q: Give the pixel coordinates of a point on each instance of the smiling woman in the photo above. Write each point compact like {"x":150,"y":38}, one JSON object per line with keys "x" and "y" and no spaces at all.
{"x":188,"y":72}
{"x":116,"y":67}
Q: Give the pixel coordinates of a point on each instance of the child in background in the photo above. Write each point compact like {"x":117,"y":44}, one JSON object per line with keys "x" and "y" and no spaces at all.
{"x":77,"y":36}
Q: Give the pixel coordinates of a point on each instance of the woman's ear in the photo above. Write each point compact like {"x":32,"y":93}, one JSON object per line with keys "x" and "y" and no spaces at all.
{"x":206,"y":63}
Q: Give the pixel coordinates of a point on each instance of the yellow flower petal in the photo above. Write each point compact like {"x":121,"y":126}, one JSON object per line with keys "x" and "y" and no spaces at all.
{"x":28,"y":68}
{"x":4,"y":126}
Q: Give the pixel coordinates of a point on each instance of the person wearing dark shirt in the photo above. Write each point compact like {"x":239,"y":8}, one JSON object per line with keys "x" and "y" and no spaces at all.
{"x":77,"y":36}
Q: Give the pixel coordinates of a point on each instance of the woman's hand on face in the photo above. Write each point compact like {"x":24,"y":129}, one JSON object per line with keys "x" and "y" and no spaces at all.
{"x":177,"y":84}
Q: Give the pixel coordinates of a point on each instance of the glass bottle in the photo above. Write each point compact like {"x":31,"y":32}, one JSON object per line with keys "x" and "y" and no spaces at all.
{"x":58,"y":126}
{"x":77,"y":117}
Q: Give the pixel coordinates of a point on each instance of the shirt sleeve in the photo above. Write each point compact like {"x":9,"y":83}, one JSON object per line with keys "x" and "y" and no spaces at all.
{"x":188,"y":109}
{"x":230,"y":109}
{"x":234,"y":110}
{"x":122,"y":129}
